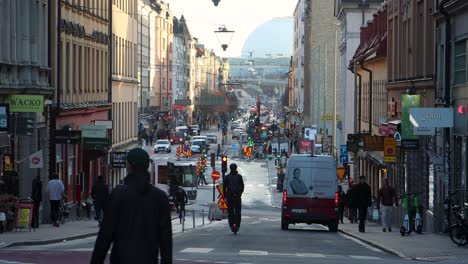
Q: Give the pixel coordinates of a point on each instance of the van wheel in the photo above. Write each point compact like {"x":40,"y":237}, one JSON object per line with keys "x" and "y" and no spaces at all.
{"x":284,"y":224}
{"x":333,"y":227}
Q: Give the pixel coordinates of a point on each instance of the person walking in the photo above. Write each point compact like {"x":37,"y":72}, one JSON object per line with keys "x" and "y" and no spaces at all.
{"x":55,"y":190}
{"x":364,"y":200}
{"x":36,"y":196}
{"x":386,"y":198}
{"x":218,"y":151}
{"x":181,"y":199}
{"x":351,"y":204}
{"x":137,"y":220}
{"x":341,"y":203}
{"x":99,"y":193}
{"x":233,"y":189}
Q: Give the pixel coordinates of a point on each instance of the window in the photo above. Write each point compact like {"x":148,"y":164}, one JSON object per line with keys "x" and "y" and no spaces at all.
{"x":460,"y":62}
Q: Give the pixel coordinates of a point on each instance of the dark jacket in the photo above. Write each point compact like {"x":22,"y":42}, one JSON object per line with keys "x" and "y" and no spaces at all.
{"x":137,"y":222}
{"x":363,"y":195}
{"x":351,"y":198}
{"x":36,"y":193}
{"x":233,"y":185}
{"x":100,"y":193}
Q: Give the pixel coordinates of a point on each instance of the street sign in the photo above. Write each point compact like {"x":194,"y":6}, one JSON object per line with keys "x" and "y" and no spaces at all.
{"x":234,"y":147}
{"x":222,"y":203}
{"x":343,"y":150}
{"x":118,"y":159}
{"x":341,"y":173}
{"x":215,"y":175}
{"x":344,"y":158}
{"x":389,"y":149}
{"x":397,"y":137}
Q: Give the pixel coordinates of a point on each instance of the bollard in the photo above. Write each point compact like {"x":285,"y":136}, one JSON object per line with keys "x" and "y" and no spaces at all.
{"x":193,"y":216}
{"x":203,"y":216}
{"x":183,"y":221}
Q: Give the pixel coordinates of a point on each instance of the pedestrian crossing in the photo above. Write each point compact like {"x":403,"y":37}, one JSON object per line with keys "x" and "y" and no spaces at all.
{"x":248,"y":252}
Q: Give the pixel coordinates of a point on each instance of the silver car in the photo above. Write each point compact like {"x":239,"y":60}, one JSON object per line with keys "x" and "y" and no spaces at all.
{"x":162,"y":145}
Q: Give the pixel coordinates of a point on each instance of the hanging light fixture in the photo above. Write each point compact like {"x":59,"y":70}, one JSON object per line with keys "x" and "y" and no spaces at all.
{"x":216,"y":2}
{"x":224,"y":36}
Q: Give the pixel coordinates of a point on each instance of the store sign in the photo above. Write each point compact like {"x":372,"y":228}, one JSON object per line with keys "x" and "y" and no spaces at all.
{"x":26,"y":103}
{"x":178,"y":107}
{"x":424,"y":131}
{"x":373,"y":143}
{"x":390,"y":150}
{"x":431,"y":117}
{"x":93,"y":131}
{"x":106,"y":123}
{"x":64,"y":136}
{"x":4,"y":113}
{"x":7,"y":163}
{"x":118,"y":159}
{"x":100,"y":144}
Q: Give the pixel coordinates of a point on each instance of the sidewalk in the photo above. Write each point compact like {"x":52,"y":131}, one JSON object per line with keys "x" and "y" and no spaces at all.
{"x":48,"y":234}
{"x":427,"y":246}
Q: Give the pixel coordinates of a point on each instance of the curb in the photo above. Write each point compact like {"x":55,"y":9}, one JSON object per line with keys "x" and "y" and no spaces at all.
{"x":50,"y":241}
{"x":376,"y":245}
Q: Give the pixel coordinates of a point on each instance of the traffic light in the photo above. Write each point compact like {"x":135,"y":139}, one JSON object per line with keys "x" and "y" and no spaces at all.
{"x":24,"y":126}
{"x":224,"y":164}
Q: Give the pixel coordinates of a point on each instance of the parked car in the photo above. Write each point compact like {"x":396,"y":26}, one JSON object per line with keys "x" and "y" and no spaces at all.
{"x":195,"y":130}
{"x":162,"y":145}
{"x":310,"y":192}
{"x":236,"y":133}
{"x":177,"y":137}
{"x":212,"y":139}
{"x":234,"y":125}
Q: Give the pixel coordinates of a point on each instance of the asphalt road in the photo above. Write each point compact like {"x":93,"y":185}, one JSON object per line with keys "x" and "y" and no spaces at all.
{"x":260,"y":239}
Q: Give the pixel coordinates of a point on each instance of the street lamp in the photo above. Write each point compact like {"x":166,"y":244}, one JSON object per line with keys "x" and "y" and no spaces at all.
{"x":224,"y":36}
{"x":216,"y":2}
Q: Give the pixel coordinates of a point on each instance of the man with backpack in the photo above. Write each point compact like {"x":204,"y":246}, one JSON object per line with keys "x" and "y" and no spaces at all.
{"x":233,"y":189}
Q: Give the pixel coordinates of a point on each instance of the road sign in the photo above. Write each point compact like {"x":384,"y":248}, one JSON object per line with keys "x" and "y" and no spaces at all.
{"x":215,"y":175}
{"x":222,"y":203}
{"x":389,"y":149}
{"x":219,"y":187}
{"x":234,"y":147}
{"x":344,"y":158}
{"x":343,"y":150}
{"x":397,"y":138}
{"x":341,"y":173}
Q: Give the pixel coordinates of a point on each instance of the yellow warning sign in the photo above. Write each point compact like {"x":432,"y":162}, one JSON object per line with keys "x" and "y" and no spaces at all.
{"x":340,"y":172}
{"x":220,"y":189}
{"x":222,"y":203}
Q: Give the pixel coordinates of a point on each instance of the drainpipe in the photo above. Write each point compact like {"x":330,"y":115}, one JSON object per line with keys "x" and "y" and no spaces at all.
{"x":447,"y":96}
{"x":358,"y":114}
{"x":370,"y":95}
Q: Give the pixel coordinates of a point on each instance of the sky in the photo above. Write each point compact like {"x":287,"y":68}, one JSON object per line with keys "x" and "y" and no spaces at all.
{"x":242,"y":16}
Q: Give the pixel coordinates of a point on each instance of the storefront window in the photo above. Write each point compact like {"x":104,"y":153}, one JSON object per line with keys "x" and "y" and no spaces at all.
{"x":71,"y":163}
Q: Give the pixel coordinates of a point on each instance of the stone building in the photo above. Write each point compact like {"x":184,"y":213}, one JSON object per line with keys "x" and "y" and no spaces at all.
{"x":124,"y":78}
{"x":25,"y":74}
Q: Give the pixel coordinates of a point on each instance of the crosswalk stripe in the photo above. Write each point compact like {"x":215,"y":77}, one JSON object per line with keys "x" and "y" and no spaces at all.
{"x":365,"y":257}
{"x":197,"y":250}
{"x":253,"y":252}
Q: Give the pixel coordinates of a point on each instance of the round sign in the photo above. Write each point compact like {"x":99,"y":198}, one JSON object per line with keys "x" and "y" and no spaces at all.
{"x":36,"y":160}
{"x":215,"y":175}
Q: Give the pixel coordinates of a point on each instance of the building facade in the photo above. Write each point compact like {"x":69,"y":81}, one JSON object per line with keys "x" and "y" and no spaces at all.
{"x":450,"y":160}
{"x":80,"y":66}
{"x":164,"y":57}
{"x":352,"y":14}
{"x":124,"y":78}
{"x":24,"y":72}
{"x":299,"y":60}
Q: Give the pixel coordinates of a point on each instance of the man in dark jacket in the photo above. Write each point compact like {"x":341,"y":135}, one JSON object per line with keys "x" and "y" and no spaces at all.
{"x":363,"y":201}
{"x":137,"y":219}
{"x":100,"y":193}
{"x":233,"y":189}
{"x":36,"y":196}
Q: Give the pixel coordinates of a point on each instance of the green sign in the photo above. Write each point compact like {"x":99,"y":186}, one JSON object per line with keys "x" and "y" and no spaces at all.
{"x":26,"y":103}
{"x":185,"y":102}
{"x":407,"y":102}
{"x":101,"y":144}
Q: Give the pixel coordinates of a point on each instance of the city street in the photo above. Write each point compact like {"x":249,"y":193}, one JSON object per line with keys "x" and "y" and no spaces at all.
{"x":260,"y":239}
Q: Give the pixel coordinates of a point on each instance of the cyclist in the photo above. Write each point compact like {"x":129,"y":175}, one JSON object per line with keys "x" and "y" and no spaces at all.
{"x":233,"y":189}
{"x":181,"y":199}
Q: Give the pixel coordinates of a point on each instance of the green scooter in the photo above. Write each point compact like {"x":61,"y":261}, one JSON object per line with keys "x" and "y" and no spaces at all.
{"x":407,"y":228}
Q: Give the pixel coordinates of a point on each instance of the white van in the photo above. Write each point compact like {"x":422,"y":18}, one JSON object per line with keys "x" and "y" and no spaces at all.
{"x":310,"y":191}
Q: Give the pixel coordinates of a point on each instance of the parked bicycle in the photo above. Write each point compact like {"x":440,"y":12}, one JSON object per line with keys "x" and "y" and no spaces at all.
{"x":63,"y":212}
{"x":457,"y":229}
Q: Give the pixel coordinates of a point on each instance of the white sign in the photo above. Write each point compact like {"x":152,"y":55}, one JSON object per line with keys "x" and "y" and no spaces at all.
{"x":106,"y":123}
{"x":92,"y":131}
{"x":36,"y":160}
{"x":424,"y":131}
{"x":431,"y":117}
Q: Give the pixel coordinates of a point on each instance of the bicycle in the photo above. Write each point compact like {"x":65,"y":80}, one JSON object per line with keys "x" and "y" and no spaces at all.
{"x":63,"y":212}
{"x":458,"y":232}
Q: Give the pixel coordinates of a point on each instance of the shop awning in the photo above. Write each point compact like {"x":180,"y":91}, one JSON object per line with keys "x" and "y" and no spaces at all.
{"x":376,"y":157}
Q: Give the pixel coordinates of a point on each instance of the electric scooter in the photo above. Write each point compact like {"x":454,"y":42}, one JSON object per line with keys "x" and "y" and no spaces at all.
{"x":406,"y":227}
{"x":418,"y":226}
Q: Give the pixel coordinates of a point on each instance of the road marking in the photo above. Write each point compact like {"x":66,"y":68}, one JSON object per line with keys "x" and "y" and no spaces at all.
{"x":365,"y":257}
{"x":260,"y":185}
{"x":81,"y":249}
{"x":362,"y":243}
{"x":253,"y":252}
{"x":310,"y":255}
{"x":256,"y":222}
{"x":13,"y":262}
{"x":197,"y":250}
